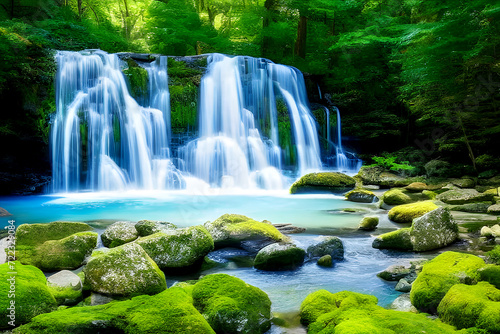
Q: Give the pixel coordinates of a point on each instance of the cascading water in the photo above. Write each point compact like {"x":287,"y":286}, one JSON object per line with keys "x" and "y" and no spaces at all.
{"x":101,"y":138}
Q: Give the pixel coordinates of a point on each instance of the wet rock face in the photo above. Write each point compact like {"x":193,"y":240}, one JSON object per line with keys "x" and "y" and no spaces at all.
{"x":327,"y":245}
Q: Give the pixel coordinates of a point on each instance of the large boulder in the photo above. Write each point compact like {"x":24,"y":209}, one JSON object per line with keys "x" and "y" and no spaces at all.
{"x":118,"y":234}
{"x":327,"y":245}
{"x":148,"y":227}
{"x":279,"y":256}
{"x":348,"y":312}
{"x":464,"y":196}
{"x":477,"y":207}
{"x":54,"y":246}
{"x":323,"y":182}
{"x":178,"y":248}
{"x":232,"y":306}
{"x":439,"y":275}
{"x":466,"y":306}
{"x":407,"y":212}
{"x":124,"y":270}
{"x":24,"y":294}
{"x":232,"y":230}
{"x":433,"y":230}
{"x":360,"y":195}
{"x":379,"y":176}
{"x":170,"y":311}
{"x":66,"y":287}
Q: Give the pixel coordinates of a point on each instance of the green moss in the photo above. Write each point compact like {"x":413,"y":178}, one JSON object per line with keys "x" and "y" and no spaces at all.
{"x":124,"y":270}
{"x":429,"y":194}
{"x":137,"y":78}
{"x":232,"y":306}
{"x":433,"y":230}
{"x":36,"y":234}
{"x":472,"y":306}
{"x":170,"y":311}
{"x":360,"y":195}
{"x":230,"y":229}
{"x":183,"y":105}
{"x":178,"y":248}
{"x":148,"y":227}
{"x":396,"y":196}
{"x":66,"y":295}
{"x":325,"y":261}
{"x":29,"y":291}
{"x":494,"y":255}
{"x":491,"y":274}
{"x":399,"y":239}
{"x":279,"y":256}
{"x":65,"y":253}
{"x":464,"y":196}
{"x":368,"y":223}
{"x":479,"y":207}
{"x":439,"y":275}
{"x":407,"y":212}
{"x":326,"y":181}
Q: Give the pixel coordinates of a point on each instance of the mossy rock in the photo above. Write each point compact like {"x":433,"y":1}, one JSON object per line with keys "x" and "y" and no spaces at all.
{"x":148,"y":227}
{"x":439,"y":275}
{"x":467,"y":306}
{"x":491,"y":274}
{"x":178,"y":248}
{"x":29,"y":292}
{"x":327,"y":245}
{"x":433,"y":230}
{"x":124,"y":270}
{"x":464,"y":196}
{"x":494,"y":255}
{"x":66,"y":287}
{"x":230,"y":230}
{"x":60,"y":249}
{"x":379,"y":176}
{"x":494,"y":209}
{"x":279,"y":256}
{"x":407,"y":212}
{"x":323,"y":182}
{"x":232,"y":306}
{"x":399,"y":239}
{"x":325,"y":261}
{"x":478,"y":207}
{"x":396,"y":196}
{"x":118,"y":234}
{"x":394,"y":273}
{"x":416,"y":187}
{"x":360,"y":196}
{"x":464,"y":183}
{"x":170,"y":311}
{"x":368,"y":223}
{"x":137,"y":78}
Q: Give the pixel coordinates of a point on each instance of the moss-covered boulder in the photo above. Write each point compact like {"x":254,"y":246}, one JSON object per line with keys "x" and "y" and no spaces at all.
{"x":232,"y":306}
{"x":399,"y":239}
{"x":439,"y":275}
{"x":433,"y":230}
{"x":464,"y":183}
{"x":478,"y":207}
{"x":368,"y":223}
{"x":66,"y":287}
{"x":170,"y":311}
{"x":407,"y":212}
{"x":466,"y":306}
{"x":231,"y":230}
{"x":494,"y":255}
{"x":279,"y":256}
{"x":494,"y":209}
{"x":327,"y":245}
{"x":464,"y":196}
{"x":323,"y":182}
{"x":394,"y":273}
{"x":416,"y":187}
{"x":24,"y":294}
{"x":178,"y":248}
{"x":124,"y":270}
{"x":54,"y":246}
{"x":361,"y":196}
{"x":379,"y":176}
{"x":491,"y":274}
{"x":325,"y":261}
{"x":349,"y":312}
{"x":396,"y":196}
{"x":148,"y":227}
{"x":118,"y":234}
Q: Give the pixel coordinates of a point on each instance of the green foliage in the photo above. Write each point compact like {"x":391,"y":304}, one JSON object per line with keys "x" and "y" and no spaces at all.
{"x":389,"y":162}
{"x":494,"y":255}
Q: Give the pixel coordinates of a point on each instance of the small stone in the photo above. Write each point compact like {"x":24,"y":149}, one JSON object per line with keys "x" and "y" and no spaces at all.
{"x":403,"y":303}
{"x":368,"y":223}
{"x":325,"y":261}
{"x":496,"y":230}
{"x":403,"y":286}
{"x":327,"y":245}
{"x":98,"y":299}
{"x":394,"y":273}
{"x":486,"y":232}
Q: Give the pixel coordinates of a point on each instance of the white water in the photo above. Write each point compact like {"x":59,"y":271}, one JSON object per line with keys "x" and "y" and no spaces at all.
{"x":104,"y":140}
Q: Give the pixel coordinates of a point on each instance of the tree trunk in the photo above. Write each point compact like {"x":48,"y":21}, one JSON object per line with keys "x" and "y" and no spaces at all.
{"x":269,"y":16}
{"x":80,"y":10}
{"x":300,"y":44}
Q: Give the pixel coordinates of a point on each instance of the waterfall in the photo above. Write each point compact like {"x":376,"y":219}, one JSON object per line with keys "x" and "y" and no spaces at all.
{"x":101,"y":138}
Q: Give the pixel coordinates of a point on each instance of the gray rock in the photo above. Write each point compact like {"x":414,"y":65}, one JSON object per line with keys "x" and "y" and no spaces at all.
{"x":327,"y":245}
{"x":118,"y":234}
{"x":464,"y":196}
{"x":403,"y":286}
{"x":4,"y":213}
{"x":65,"y":279}
{"x":464,"y":183}
{"x":494,"y":209}
{"x":4,"y":243}
{"x":433,"y":230}
{"x":98,"y":299}
{"x":360,"y":196}
{"x":279,"y":256}
{"x":403,"y":303}
{"x":487,"y":232}
{"x":148,"y":227}
{"x":394,"y":273}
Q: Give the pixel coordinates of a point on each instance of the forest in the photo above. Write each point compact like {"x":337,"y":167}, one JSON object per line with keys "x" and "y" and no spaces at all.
{"x":414,"y":80}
